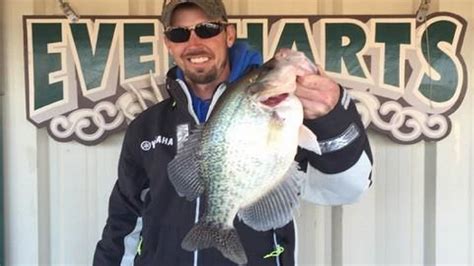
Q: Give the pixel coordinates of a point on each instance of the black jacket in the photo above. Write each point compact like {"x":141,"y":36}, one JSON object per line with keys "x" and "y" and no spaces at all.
{"x":147,"y":219}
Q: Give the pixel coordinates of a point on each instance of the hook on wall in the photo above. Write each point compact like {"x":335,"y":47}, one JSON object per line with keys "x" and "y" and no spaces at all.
{"x":422,"y":11}
{"x":68,"y":11}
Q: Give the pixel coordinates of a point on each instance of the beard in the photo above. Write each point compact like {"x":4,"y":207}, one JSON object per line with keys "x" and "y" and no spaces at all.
{"x":202,"y":76}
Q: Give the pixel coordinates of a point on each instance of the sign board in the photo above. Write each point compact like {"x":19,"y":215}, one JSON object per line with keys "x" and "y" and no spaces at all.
{"x":86,"y":80}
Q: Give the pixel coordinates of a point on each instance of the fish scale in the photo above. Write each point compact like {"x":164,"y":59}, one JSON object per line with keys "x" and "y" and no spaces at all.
{"x":231,"y":176}
{"x":244,"y":156}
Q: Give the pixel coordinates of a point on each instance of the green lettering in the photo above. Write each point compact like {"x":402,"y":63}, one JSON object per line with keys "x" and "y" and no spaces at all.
{"x":45,"y":63}
{"x":93,"y":63}
{"x":254,"y":36}
{"x":443,"y":89}
{"x":338,"y":52}
{"x":295,"y":34}
{"x":393,"y":35}
{"x":134,"y":49}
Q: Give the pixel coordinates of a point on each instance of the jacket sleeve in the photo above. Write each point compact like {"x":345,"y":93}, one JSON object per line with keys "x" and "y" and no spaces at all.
{"x":120,"y":237}
{"x":343,"y":171}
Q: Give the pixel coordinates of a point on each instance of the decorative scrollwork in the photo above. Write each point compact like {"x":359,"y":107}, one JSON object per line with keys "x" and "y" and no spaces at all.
{"x":404,"y":123}
{"x":80,"y":122}
{"x":89,"y":125}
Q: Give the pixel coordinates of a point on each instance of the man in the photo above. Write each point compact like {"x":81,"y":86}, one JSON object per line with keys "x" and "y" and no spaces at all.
{"x":148,"y":220}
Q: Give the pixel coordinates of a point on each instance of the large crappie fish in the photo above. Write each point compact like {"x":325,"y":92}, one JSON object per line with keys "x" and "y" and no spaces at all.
{"x":242,"y":160}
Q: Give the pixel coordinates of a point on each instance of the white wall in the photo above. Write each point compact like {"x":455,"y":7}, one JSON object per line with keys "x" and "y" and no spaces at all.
{"x":420,"y":209}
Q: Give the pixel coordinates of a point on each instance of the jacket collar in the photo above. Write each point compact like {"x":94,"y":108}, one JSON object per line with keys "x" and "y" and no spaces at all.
{"x":242,"y":59}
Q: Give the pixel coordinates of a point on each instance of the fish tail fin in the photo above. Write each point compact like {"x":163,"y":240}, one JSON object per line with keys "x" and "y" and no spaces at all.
{"x":226,"y":240}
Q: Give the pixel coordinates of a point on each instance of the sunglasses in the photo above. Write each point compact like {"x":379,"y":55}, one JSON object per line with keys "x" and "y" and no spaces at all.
{"x":203,"y":30}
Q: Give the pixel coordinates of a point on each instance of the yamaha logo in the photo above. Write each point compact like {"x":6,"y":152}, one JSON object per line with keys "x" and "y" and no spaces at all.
{"x":146,"y":146}
{"x":149,"y":145}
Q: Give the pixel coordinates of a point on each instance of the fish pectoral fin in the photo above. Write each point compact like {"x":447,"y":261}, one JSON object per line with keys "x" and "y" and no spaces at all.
{"x":226,"y":240}
{"x":275,"y":209}
{"x":308,"y":140}
{"x":183,"y":170}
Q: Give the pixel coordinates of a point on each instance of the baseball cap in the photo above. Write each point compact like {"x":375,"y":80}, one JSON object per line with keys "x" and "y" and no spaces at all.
{"x":214,"y":9}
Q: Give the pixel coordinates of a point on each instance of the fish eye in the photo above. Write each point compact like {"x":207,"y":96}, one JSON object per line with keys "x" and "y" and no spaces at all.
{"x":255,"y":87}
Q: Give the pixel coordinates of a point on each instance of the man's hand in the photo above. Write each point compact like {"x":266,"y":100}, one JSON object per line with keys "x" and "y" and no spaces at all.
{"x":318,"y":93}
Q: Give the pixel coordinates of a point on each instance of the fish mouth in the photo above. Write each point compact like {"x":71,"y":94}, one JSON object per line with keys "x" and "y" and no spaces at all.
{"x":275,"y":100}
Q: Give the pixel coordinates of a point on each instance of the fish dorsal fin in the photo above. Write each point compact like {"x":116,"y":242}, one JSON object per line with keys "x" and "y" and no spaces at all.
{"x":308,"y":140}
{"x":275,"y":209}
{"x":183,"y":170}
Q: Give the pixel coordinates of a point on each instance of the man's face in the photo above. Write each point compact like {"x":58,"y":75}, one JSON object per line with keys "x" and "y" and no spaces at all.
{"x":202,"y":60}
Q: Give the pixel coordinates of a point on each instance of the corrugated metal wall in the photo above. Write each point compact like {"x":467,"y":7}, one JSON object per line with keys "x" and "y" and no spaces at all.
{"x":419,"y":211}
{"x":2,"y":93}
